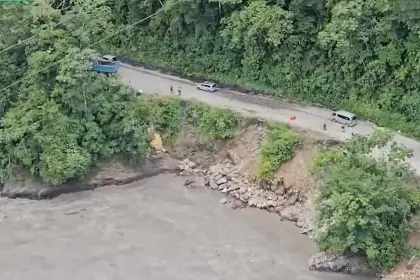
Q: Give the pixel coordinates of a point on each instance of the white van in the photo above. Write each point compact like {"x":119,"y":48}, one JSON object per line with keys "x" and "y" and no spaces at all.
{"x":344,"y":117}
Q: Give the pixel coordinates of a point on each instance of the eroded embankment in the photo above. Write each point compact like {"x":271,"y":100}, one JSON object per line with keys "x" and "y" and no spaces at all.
{"x":234,"y":168}
{"x":116,"y":171}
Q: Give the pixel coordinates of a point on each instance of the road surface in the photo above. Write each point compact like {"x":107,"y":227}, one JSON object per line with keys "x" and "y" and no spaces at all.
{"x":149,"y":230}
{"x":307,"y":117}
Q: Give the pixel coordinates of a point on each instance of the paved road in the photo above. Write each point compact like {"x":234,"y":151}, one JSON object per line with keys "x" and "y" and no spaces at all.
{"x":149,"y":230}
{"x":307,"y":117}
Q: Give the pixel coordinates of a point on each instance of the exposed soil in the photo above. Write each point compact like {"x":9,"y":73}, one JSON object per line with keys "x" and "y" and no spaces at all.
{"x":407,"y":270}
{"x":115,"y":171}
{"x":230,"y":167}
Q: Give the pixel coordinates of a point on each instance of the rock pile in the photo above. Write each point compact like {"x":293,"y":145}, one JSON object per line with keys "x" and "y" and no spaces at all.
{"x":186,"y":165}
{"x":274,"y":197}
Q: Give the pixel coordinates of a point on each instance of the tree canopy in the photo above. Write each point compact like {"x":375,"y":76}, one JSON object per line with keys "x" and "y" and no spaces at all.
{"x":365,"y":203}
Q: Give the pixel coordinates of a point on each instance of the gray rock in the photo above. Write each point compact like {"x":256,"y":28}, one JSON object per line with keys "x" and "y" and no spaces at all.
{"x":213,"y":186}
{"x":292,"y":199}
{"x":225,"y":190}
{"x":188,"y":182}
{"x":182,"y":166}
{"x":243,"y":190}
{"x":223,"y":201}
{"x":272,"y":203}
{"x":233,"y":157}
{"x":349,"y":264}
{"x":279,"y":191}
{"x":272,"y":196}
{"x":233,"y":188}
{"x":217,"y":177}
{"x":290,"y":213}
{"x":221,"y":181}
{"x":191,"y":164}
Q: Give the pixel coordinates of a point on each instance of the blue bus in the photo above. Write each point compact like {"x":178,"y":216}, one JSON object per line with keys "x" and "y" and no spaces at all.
{"x":107,"y":65}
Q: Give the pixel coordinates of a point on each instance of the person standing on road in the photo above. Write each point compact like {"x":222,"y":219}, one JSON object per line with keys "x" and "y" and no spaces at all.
{"x":179,"y":91}
{"x":343,"y":129}
{"x":171,"y":90}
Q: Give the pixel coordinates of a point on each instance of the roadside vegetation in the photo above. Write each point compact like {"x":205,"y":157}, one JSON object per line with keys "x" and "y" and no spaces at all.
{"x":365,"y":205}
{"x":277,"y":150}
{"x":357,"y":55}
{"x":57,"y":143}
{"x":63,"y":118}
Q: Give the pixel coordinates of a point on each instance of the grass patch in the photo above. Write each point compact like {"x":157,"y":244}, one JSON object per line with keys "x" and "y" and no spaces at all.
{"x":278,"y":150}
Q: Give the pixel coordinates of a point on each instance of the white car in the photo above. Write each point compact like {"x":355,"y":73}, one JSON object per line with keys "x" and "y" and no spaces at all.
{"x":207,"y":86}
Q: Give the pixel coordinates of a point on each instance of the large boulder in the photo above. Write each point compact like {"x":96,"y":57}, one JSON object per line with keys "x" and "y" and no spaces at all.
{"x":342,"y":263}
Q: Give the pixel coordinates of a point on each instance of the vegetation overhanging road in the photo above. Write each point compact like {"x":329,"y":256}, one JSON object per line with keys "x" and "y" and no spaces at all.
{"x":307,"y":117}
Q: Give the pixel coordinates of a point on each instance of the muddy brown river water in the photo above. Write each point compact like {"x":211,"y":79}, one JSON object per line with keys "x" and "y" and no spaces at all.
{"x":153,"y":230}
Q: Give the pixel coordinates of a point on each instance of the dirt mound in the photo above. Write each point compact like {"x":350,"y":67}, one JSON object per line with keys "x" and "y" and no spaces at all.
{"x":407,"y":270}
{"x":232,"y":167}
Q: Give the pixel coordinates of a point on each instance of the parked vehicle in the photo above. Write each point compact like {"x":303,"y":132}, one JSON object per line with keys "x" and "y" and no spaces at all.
{"x":207,"y":86}
{"x":344,"y":117}
{"x":107,"y":65}
{"x":110,"y":58}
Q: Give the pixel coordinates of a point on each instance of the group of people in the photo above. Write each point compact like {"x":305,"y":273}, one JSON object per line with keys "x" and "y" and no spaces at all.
{"x":343,"y":128}
{"x":171,"y":90}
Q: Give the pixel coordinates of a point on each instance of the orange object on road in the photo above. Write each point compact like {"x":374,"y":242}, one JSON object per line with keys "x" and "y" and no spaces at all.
{"x":293,"y":118}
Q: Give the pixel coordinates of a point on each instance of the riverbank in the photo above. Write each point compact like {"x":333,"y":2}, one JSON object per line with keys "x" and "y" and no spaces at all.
{"x":152,"y":229}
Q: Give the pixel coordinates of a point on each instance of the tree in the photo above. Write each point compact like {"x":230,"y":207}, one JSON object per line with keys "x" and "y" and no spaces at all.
{"x":365,"y":204}
{"x":63,"y":117}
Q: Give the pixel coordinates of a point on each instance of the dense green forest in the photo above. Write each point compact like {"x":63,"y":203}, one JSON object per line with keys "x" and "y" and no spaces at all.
{"x":58,"y":117}
{"x":362,"y":55}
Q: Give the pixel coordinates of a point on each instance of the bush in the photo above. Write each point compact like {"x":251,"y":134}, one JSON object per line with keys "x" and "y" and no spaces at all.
{"x":167,"y":114}
{"x":365,"y":204}
{"x":213,"y":123}
{"x":279,"y":149}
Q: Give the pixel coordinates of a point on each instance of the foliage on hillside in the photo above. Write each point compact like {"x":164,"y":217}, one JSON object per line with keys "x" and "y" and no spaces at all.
{"x":62,"y":118}
{"x":365,"y":204}
{"x":277,"y":150}
{"x":360,"y":55}
{"x":213,"y":123}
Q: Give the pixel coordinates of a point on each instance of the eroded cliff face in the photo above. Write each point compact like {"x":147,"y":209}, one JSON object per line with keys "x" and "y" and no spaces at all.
{"x":230,"y":167}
